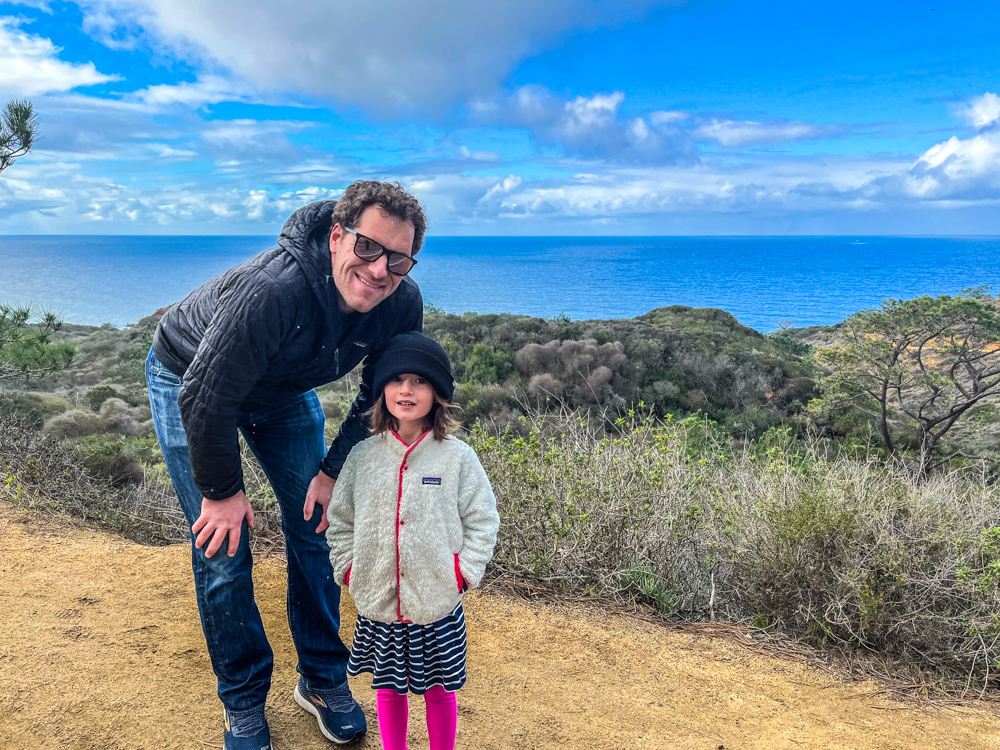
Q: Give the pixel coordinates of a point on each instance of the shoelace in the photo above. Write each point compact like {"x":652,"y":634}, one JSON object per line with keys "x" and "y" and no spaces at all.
{"x":338,"y":701}
{"x":247,"y":723}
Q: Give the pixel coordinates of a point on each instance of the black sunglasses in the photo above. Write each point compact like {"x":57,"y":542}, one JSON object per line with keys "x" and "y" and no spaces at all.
{"x":370,"y":251}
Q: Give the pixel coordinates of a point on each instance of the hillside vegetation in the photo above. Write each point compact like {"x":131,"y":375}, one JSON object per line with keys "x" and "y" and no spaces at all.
{"x":678,"y":458}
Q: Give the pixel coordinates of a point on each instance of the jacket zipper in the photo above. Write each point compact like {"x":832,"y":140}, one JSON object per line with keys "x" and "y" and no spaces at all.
{"x":399,"y":501}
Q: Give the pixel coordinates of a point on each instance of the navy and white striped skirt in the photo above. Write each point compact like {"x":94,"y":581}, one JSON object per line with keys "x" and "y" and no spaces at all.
{"x":407,"y":657}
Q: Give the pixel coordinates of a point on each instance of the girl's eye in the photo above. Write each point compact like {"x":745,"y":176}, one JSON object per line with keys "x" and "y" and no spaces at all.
{"x":397,"y":379}
{"x":421,"y":381}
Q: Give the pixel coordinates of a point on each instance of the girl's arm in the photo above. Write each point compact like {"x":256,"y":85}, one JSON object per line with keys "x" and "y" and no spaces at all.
{"x":340,"y":514}
{"x":477,"y":507}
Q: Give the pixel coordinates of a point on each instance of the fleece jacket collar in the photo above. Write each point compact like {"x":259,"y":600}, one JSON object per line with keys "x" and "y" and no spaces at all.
{"x":401,"y":449}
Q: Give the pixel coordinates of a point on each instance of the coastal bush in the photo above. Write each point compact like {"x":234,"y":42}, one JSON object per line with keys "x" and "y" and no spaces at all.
{"x":34,"y":407}
{"x":99,"y":394}
{"x":675,"y":359}
{"x":840,"y":552}
{"x":41,"y":471}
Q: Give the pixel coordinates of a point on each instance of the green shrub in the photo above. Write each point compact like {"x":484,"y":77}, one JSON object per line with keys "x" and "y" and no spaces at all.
{"x":99,"y":394}
{"x":34,"y":407}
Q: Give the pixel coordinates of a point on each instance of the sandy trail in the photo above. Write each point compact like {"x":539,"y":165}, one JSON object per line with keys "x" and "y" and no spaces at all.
{"x":100,"y":648}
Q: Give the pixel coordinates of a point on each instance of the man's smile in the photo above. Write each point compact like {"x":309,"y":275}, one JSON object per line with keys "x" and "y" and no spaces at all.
{"x":367,"y":283}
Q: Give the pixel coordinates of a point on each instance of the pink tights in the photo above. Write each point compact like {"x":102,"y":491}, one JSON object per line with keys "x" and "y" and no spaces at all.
{"x":442,"y":718}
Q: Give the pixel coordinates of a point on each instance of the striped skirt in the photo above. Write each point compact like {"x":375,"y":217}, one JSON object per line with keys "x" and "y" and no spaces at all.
{"x":408,"y":657}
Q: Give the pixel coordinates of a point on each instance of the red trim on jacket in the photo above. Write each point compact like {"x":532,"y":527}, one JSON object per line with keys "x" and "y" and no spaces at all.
{"x":399,"y":501}
{"x":458,"y":575}
{"x":347,"y":578}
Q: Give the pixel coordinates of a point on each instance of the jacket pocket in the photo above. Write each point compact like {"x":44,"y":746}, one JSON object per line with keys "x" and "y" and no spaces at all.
{"x":462,"y":585}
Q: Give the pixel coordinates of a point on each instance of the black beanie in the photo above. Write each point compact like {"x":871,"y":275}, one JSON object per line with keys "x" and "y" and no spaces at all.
{"x":413,"y":352}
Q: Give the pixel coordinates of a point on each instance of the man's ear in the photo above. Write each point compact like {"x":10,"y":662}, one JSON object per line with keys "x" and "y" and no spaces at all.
{"x":335,"y":234}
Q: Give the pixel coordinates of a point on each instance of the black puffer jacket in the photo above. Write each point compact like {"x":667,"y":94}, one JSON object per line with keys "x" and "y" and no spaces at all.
{"x":266,"y":331}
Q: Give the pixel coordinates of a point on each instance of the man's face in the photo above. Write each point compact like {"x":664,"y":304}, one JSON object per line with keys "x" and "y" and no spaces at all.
{"x":361,"y":285}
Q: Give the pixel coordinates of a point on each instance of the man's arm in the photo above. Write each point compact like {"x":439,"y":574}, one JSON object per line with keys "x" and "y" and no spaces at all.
{"x":245,"y":333}
{"x":233,"y":356}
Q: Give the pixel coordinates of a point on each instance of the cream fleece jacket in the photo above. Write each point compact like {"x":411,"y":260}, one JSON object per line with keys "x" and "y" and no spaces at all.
{"x":408,"y":523}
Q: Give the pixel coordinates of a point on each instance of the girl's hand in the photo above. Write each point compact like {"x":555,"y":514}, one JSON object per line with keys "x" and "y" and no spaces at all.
{"x":319,"y":493}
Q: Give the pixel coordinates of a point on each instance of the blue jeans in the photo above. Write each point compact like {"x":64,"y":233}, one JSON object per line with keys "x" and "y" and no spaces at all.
{"x":289,"y":443}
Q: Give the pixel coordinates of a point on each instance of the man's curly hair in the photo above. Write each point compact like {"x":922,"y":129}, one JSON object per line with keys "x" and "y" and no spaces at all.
{"x":390,"y":197}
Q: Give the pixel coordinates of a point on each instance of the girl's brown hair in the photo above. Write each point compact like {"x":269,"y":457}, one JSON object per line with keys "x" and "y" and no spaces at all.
{"x":439,"y":419}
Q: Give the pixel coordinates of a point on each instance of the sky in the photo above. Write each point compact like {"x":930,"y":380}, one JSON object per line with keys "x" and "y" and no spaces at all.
{"x":559,"y":117}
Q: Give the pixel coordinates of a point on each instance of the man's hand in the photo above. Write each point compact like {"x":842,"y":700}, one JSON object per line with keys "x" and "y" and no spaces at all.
{"x":319,"y":493}
{"x":221,"y":517}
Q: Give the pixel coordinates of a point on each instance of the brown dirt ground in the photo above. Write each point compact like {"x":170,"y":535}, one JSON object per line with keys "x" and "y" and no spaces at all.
{"x":100,"y":648}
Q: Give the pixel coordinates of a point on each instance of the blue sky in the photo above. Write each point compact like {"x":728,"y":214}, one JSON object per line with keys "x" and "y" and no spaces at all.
{"x":523,"y":117}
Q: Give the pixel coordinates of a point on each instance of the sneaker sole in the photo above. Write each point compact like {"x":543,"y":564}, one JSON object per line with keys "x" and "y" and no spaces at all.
{"x":307,"y":706}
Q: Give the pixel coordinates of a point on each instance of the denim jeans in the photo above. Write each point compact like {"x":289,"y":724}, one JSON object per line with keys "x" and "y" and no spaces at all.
{"x":289,"y":443}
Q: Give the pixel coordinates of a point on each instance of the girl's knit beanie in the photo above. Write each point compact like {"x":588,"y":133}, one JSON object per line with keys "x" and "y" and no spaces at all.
{"x":416,"y":353}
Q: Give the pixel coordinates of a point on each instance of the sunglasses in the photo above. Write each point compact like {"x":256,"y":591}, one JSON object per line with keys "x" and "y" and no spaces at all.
{"x":370,"y":251}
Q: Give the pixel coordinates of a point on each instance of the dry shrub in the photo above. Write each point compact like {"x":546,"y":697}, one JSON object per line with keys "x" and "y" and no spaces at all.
{"x":43,"y":472}
{"x":840,"y":552}
{"x":115,"y":417}
{"x":581,"y":372}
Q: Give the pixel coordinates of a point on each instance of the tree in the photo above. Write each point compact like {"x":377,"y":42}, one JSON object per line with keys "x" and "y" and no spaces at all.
{"x":26,"y":346}
{"x":915,"y":367}
{"x":18,"y":131}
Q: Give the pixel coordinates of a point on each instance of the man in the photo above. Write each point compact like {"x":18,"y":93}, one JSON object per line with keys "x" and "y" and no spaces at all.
{"x":241,"y":354}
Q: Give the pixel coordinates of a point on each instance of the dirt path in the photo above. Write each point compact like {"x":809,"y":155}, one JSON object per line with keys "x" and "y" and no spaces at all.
{"x":100,"y":648}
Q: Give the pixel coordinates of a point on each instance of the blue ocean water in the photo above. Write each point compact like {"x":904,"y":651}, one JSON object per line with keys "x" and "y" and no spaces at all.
{"x":763,"y":281}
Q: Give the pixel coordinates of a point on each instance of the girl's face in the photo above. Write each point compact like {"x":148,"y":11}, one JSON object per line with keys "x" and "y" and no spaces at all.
{"x":409,"y":398}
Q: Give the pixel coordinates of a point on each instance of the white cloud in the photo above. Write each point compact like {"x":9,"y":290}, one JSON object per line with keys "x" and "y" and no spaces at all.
{"x":956,"y":168}
{"x":390,"y":55}
{"x":981,"y":111}
{"x":664,"y":119}
{"x":589,"y":126}
{"x":747,"y":133}
{"x":29,"y":65}
{"x":966,"y":170}
{"x":169,"y":152}
{"x":206,"y":90}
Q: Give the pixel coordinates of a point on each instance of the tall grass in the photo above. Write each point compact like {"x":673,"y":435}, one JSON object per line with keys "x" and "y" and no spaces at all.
{"x":841,"y":551}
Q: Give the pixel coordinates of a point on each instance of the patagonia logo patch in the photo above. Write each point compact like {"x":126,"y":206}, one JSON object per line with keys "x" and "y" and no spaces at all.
{"x":432,"y":480}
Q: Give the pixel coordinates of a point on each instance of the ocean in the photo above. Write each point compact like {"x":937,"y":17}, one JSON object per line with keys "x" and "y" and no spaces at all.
{"x":766,"y":282}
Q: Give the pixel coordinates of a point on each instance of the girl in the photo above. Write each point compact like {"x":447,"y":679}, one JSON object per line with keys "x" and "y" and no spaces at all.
{"x":413,"y":522}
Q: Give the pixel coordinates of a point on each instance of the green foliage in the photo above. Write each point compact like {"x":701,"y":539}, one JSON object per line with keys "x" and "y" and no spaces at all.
{"x":130,"y":365}
{"x":675,"y":359}
{"x":911,"y":370}
{"x":651,"y":588}
{"x":18,"y":131}
{"x":99,"y":394}
{"x":26,"y":346}
{"x":486,"y":365}
{"x":35,"y":408}
{"x":119,"y":460}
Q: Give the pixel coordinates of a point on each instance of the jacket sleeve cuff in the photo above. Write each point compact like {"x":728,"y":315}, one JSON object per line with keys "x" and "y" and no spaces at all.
{"x":331,"y":467}
{"x":343,"y":579}
{"x":222,"y":494}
